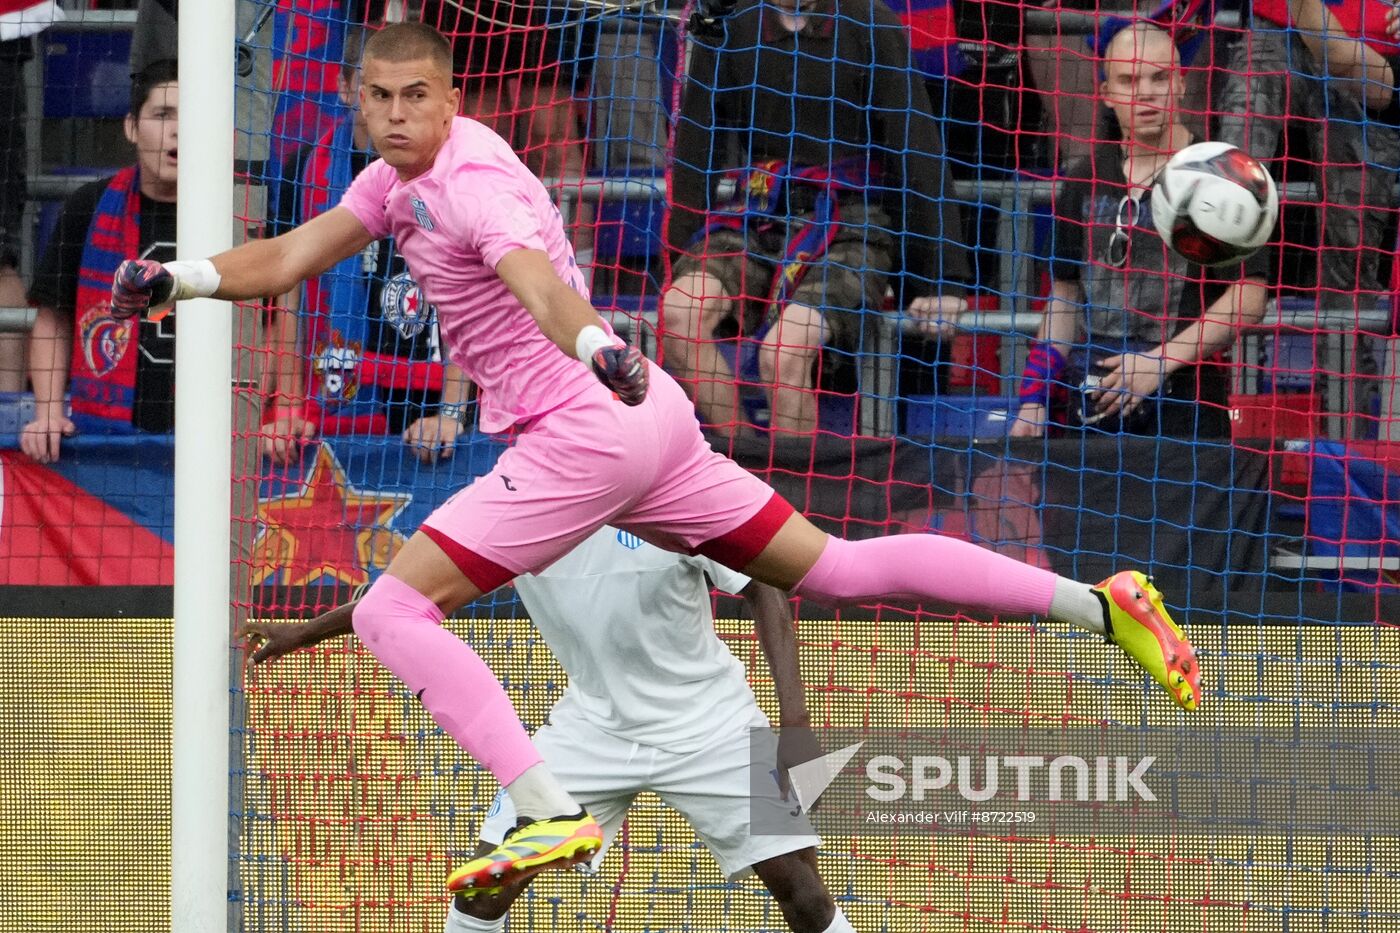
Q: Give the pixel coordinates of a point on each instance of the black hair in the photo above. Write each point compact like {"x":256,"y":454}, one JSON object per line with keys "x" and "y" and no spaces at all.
{"x":143,"y":82}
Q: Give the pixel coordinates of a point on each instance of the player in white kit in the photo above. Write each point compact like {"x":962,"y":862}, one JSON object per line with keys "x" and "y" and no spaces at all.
{"x":655,"y":702}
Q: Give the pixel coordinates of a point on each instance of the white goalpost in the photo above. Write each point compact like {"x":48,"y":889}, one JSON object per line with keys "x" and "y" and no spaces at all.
{"x":200,"y":826}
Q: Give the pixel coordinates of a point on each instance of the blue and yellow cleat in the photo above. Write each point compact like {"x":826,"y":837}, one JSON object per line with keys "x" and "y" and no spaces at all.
{"x":527,"y":850}
{"x":1136,"y":621}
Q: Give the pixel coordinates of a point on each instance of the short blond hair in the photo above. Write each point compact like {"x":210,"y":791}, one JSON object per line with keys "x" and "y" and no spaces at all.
{"x":408,"y":42}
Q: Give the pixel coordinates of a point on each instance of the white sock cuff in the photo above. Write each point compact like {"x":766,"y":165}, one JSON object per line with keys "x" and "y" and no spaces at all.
{"x":538,"y":795}
{"x":1075,"y":603}
{"x":458,"y":922}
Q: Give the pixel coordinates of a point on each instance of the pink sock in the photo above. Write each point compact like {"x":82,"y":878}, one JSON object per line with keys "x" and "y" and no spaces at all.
{"x":404,"y":630}
{"x":927,"y":567}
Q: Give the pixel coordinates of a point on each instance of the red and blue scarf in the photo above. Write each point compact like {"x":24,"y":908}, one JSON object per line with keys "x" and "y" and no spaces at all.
{"x":336,"y":299}
{"x":103,"y":369}
{"x":310,"y":38}
{"x":933,"y":36}
{"x":758,"y":205}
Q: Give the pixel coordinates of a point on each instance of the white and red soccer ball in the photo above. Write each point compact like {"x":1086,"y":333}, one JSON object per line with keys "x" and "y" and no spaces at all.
{"x":1214,"y":203}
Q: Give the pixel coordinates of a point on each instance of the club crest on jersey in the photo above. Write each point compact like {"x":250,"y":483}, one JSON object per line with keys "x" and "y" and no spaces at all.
{"x":335,"y":363}
{"x":104,"y":339}
{"x":629,"y":540}
{"x":404,"y":307}
{"x":420,"y":212}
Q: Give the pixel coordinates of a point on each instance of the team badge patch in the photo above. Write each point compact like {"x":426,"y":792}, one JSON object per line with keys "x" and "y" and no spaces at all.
{"x":335,"y":363}
{"x":104,"y":340}
{"x":404,"y":307}
{"x":629,"y":540}
{"x":420,"y":212}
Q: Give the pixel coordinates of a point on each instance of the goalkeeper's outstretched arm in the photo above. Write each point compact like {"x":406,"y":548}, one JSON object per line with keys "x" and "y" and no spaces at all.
{"x":253,"y":270}
{"x":276,"y":265}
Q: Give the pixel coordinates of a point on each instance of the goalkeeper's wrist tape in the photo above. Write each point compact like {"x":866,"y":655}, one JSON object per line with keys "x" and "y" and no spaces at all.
{"x":1043,"y":366}
{"x":589,"y":341}
{"x":197,"y":279}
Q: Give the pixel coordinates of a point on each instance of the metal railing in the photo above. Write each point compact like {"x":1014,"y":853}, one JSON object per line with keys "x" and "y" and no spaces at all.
{"x":1015,"y":198}
{"x":1037,"y":22}
{"x":16,"y":320}
{"x":96,"y":21}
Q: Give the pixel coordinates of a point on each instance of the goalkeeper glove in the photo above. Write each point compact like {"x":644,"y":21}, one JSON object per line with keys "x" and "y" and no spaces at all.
{"x":144,"y":284}
{"x":624,"y":370}
{"x":141,"y":284}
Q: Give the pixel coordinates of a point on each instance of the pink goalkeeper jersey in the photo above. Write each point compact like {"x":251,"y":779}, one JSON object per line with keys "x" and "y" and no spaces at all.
{"x":453,"y":224}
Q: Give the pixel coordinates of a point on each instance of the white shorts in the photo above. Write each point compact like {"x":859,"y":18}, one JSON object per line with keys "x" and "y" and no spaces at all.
{"x":709,"y":787}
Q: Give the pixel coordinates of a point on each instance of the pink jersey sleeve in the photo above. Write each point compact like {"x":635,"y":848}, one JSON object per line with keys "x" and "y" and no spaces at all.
{"x":503,"y":217}
{"x":365,"y":198}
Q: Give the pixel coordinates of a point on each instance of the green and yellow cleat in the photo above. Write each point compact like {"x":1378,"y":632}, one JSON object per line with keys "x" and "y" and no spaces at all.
{"x":1136,"y":621}
{"x":527,"y":850}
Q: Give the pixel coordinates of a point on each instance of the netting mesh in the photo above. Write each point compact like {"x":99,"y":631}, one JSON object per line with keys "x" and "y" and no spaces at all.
{"x":846,"y":241}
{"x":364,"y":816}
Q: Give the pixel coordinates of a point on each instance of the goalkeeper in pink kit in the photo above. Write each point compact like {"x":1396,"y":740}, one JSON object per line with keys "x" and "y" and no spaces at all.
{"x":604,"y":437}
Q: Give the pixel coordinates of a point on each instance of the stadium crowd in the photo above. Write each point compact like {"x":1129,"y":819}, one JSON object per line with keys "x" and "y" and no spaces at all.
{"x":825,"y":189}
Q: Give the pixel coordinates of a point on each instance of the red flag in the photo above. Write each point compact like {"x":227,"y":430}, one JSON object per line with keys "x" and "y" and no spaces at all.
{"x":54,"y":533}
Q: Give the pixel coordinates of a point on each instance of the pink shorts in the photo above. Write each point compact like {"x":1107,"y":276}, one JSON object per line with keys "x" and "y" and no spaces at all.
{"x":595,"y":462}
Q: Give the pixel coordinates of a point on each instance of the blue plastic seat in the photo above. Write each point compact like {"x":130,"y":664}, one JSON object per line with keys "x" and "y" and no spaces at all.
{"x":87,"y":73}
{"x":16,"y":410}
{"x":975,"y":417}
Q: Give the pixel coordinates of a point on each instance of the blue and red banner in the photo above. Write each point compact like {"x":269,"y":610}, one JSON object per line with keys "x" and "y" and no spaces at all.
{"x":104,"y":514}
{"x":933,"y":36}
{"x":1196,"y":514}
{"x":1353,"y":514}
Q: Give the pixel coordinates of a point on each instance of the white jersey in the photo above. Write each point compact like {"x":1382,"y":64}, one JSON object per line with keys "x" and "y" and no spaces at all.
{"x":631,"y":625}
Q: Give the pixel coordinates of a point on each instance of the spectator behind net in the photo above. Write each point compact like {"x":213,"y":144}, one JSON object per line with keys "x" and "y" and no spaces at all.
{"x":840,"y":184}
{"x":1326,"y":68}
{"x":1133,"y":331}
{"x":121,"y":373}
{"x":20,"y":21}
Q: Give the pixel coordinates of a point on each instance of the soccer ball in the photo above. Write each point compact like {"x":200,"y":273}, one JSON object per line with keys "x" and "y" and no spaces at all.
{"x":1214,"y":203}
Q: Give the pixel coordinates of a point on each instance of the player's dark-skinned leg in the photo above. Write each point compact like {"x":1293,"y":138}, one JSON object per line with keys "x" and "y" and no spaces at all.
{"x":797,"y":886}
{"x":489,"y":906}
